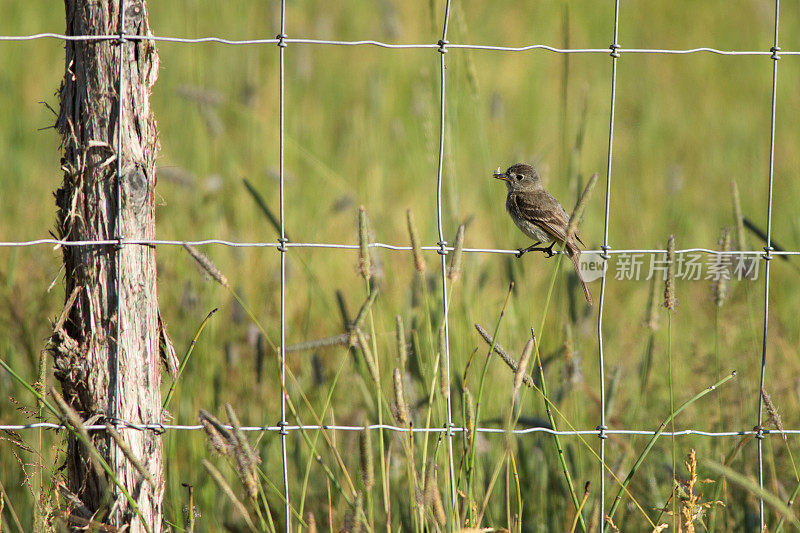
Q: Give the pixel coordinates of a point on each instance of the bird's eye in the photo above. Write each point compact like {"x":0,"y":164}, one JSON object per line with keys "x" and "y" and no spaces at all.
{"x":518,"y":176}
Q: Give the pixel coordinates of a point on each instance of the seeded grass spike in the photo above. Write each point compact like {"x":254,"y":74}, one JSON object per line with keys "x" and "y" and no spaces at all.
{"x":454,"y":271}
{"x":367,"y":462}
{"x":207,"y":265}
{"x":721,"y":285}
{"x":402,"y":347}
{"x":369,"y":360}
{"x":401,"y":413}
{"x":520,"y":372}
{"x":738,"y":217}
{"x":444,"y":384}
{"x":419,"y":260}
{"x":364,"y":263}
{"x":669,"y":284}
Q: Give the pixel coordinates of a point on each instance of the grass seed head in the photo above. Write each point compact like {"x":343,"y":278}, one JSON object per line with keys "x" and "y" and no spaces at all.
{"x":772,"y":412}
{"x":369,"y":359}
{"x":469,"y":410}
{"x":364,"y":263}
{"x":419,"y":260}
{"x":454,"y":271}
{"x":522,"y":367}
{"x":207,"y":265}
{"x":367,"y":462}
{"x":402,"y":346}
{"x":400,"y":407}
{"x":433,"y":498}
{"x":669,"y":284}
{"x":246,"y":459}
{"x":218,"y":435}
{"x":721,"y":285}
{"x":444,"y":378}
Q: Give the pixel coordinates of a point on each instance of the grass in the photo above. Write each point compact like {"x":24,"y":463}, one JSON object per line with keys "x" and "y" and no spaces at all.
{"x":362,"y":130}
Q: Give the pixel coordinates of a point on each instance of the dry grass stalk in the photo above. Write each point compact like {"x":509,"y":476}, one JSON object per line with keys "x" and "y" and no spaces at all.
{"x":419,"y":260}
{"x":738,"y":217}
{"x":444,"y":379}
{"x":344,"y":339}
{"x":367,"y":462}
{"x":127,"y":452}
{"x":41,"y":383}
{"x":691,"y":499}
{"x":362,"y":312}
{"x":612,"y":525}
{"x":401,"y":413}
{"x":74,"y":419}
{"x":402,"y":346}
{"x":469,"y":411}
{"x":207,"y":265}
{"x":372,"y":365}
{"x":772,"y":413}
{"x":353,"y":519}
{"x":691,"y":506}
{"x":311,"y":522}
{"x":364,"y":265}
{"x":246,"y":459}
{"x":218,"y":435}
{"x":225,"y":488}
{"x":433,"y":498}
{"x":580,"y":207}
{"x":721,"y":285}
{"x":669,"y":284}
{"x":507,"y":359}
{"x":454,"y":271}
{"x":519,"y":374}
{"x":189,"y":510}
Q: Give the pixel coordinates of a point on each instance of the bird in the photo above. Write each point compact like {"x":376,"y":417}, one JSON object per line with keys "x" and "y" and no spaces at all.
{"x":540,"y":216}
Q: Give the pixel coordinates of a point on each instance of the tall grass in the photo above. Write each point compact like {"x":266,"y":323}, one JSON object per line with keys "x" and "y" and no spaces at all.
{"x":363,"y":330}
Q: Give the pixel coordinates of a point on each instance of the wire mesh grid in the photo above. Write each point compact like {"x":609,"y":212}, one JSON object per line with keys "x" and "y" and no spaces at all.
{"x":282,"y":41}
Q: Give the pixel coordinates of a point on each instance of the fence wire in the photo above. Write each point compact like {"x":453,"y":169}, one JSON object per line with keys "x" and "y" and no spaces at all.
{"x":282,"y":41}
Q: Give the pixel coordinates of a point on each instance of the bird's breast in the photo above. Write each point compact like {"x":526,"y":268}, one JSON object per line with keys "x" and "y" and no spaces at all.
{"x":527,"y":226}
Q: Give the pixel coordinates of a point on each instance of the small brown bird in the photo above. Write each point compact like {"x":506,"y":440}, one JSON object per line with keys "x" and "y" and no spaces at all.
{"x":539,"y":216}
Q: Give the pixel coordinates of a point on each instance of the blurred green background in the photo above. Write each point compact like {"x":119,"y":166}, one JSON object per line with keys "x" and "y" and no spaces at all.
{"x":362,"y":129}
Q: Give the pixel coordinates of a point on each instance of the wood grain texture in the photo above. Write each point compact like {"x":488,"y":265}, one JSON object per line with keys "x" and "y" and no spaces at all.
{"x":85,"y":348}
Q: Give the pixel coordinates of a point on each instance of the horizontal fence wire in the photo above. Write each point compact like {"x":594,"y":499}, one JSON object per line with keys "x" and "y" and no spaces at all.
{"x":397,"y":46}
{"x":386,"y":246}
{"x":400,"y":429}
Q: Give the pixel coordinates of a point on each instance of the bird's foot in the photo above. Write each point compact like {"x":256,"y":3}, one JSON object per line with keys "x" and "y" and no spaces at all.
{"x":548,"y":251}
{"x":530,"y":248}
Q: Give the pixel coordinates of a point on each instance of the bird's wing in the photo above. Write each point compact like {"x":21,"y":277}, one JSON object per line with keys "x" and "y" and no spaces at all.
{"x":544,"y":211}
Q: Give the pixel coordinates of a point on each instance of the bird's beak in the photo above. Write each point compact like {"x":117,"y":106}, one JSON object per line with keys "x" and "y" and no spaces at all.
{"x":501,"y":175}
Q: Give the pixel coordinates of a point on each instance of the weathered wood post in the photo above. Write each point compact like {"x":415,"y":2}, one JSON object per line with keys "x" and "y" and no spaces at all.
{"x":102,"y":376}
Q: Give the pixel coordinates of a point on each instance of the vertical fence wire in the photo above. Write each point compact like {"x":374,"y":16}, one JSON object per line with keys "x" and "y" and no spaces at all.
{"x":115,"y":400}
{"x":282,"y":249}
{"x":767,"y":259}
{"x":443,"y":256}
{"x":602,"y":427}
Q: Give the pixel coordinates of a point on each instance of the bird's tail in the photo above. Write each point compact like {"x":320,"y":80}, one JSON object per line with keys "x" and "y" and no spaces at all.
{"x":574,"y":254}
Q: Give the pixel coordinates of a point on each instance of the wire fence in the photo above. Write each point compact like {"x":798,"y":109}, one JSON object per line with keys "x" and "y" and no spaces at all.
{"x":602,"y":431}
